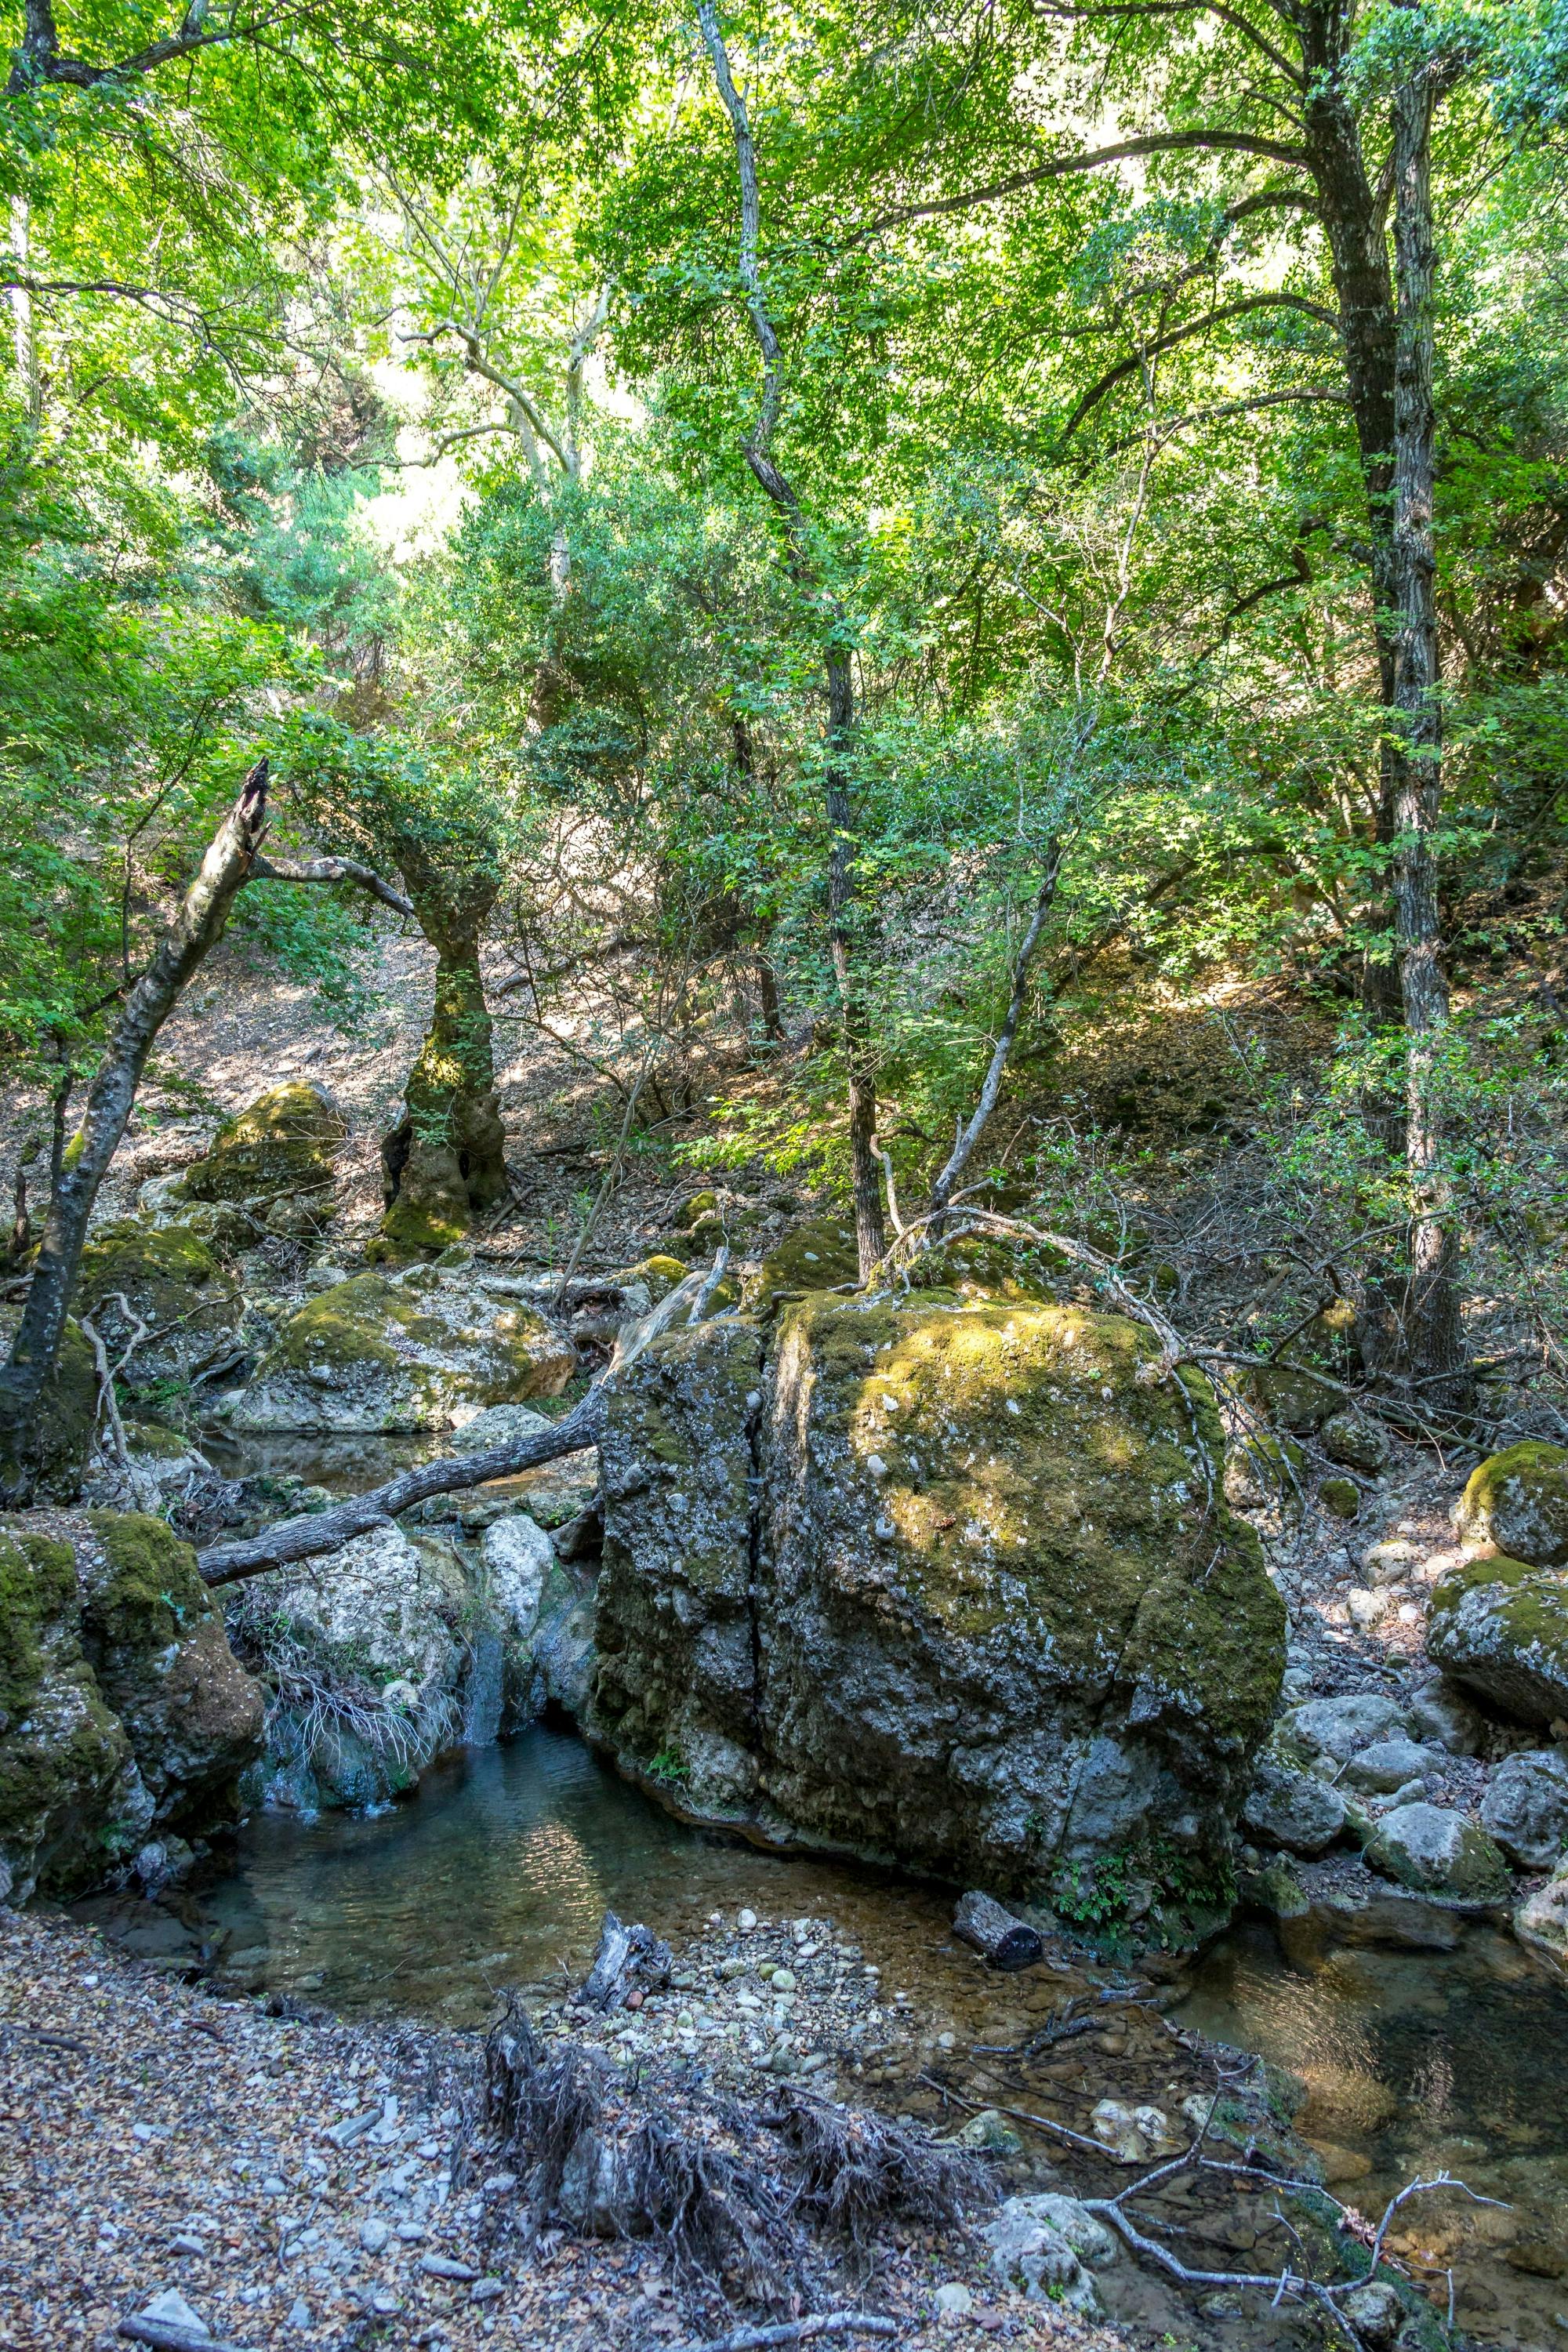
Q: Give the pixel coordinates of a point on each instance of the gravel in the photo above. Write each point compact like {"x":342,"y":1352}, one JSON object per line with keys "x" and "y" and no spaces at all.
{"x":302,"y":2181}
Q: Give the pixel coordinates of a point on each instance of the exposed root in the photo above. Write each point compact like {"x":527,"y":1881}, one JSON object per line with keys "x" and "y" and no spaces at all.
{"x":723,"y":2222}
{"x":857,"y":2170}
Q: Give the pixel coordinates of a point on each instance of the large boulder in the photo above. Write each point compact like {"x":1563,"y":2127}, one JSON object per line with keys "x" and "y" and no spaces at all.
{"x":121,"y":1707}
{"x":1291,"y":1808}
{"x":1502,"y":1626}
{"x":1439,"y":1853}
{"x":951,"y":1584}
{"x":167,"y":1279}
{"x":1526,"y":1807}
{"x":1518,"y":1501}
{"x":280,"y":1147}
{"x":401,"y":1351}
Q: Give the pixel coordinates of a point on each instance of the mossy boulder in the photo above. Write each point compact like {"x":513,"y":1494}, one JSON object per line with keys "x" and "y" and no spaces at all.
{"x":658,"y":1273}
{"x":949,"y":1583}
{"x":403,"y":1351}
{"x":62,"y":1436}
{"x":1437,"y":1851}
{"x":1341,"y":1496}
{"x":280,"y":1147}
{"x":169,"y":1279}
{"x":817,"y":1256}
{"x":1500,"y":1626}
{"x":1519,"y":1502}
{"x":121,"y":1707}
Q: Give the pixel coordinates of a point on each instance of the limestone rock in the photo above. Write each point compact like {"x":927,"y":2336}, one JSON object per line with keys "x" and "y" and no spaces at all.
{"x":1439,"y":1852}
{"x":1502,"y":1627}
{"x":496,"y":1424}
{"x":1029,"y":2253}
{"x":120,"y":1704}
{"x":1541,"y":1922}
{"x":1340,"y":1728}
{"x":1441,"y":1712}
{"x":1387,"y":1765}
{"x":332,"y":1636}
{"x":1519,"y":1501}
{"x":518,"y":1556}
{"x":945,"y":1582}
{"x":1526,"y":1807}
{"x":170,"y":1279}
{"x":1133,"y":2134}
{"x":280,"y":1147}
{"x":403,"y":1351}
{"x":1355,"y":1442}
{"x":1293,"y":1809}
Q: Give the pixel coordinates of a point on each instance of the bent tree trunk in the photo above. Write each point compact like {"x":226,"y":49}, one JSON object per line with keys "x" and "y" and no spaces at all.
{"x":197,"y":929}
{"x":1435,"y":1346}
{"x":444,"y":1160}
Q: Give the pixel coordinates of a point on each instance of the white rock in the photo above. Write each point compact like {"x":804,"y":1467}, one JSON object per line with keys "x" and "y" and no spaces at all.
{"x":1029,"y":2252}
{"x":952,"y":2300}
{"x":1133,"y":2134}
{"x":172,"y":2309}
{"x":518,"y":1556}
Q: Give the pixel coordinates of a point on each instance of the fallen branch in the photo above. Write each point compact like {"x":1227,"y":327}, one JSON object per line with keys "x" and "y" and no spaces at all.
{"x":306,"y":1539}
{"x":165,"y":2336}
{"x":796,"y":2331}
{"x":332,"y":869}
{"x":143,"y":1489}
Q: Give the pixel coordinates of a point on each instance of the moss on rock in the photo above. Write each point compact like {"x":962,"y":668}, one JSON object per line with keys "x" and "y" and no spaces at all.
{"x":1500,"y":1626}
{"x":37,"y":1587}
{"x":1519,"y":1501}
{"x":282,"y":1143}
{"x":404,"y":1352}
{"x":817,"y":1256}
{"x":172,"y":1280}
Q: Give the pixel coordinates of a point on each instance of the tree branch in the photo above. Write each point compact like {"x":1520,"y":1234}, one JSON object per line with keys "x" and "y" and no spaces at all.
{"x":1136,"y":359}
{"x":1061,"y":167}
{"x":332,"y":869}
{"x":1232,"y":16}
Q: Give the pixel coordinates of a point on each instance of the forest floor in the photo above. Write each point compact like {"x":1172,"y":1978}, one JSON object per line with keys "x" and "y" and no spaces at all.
{"x":164,"y":2140}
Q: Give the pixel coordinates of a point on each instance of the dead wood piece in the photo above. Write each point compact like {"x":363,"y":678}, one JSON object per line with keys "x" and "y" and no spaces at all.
{"x":165,"y":2336}
{"x":994,"y":1932}
{"x":629,"y":1959}
{"x":797,"y":2331}
{"x":857,"y":2169}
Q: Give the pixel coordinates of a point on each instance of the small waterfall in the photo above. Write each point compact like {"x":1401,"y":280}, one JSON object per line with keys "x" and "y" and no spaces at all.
{"x":482,"y":1690}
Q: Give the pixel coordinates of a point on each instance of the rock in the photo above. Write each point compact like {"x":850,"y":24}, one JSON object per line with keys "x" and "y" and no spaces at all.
{"x":812,"y":1256}
{"x":1541,"y":1922}
{"x":69,"y":1411}
{"x":657,"y":1275}
{"x":1289,"y":1397}
{"x":1439,"y":1852}
{"x":518,"y":1557}
{"x":1441,"y":1714}
{"x":1526,"y":1807}
{"x":1518,"y":1501}
{"x":121,"y":1706}
{"x":1133,"y":2134}
{"x":373,"y":2235}
{"x":1340,"y":1495}
{"x":1390,"y":1561}
{"x":1366,"y":1606}
{"x":403,"y":1351}
{"x":280,"y":1147}
{"x":1086,"y":2233}
{"x":172,"y":2310}
{"x":1002,"y":1657}
{"x":1339,"y":1728}
{"x":1356,"y":1442}
{"x":994,"y":1933}
{"x":171,"y":1281}
{"x":1502,"y":1627}
{"x":495,"y":1425}
{"x":1029,"y":2253}
{"x":1293,"y":1809}
{"x":1374,"y":2311}
{"x":952,"y":2300}
{"x":989,"y":2132}
{"x":1387,"y":1765}
{"x":332,"y":1635}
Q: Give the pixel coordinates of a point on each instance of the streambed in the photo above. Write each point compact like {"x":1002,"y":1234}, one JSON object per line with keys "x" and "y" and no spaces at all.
{"x":501,"y":1869}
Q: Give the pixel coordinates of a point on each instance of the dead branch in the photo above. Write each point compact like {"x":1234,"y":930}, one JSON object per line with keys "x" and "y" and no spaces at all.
{"x":796,"y":2331}
{"x":332,"y":869}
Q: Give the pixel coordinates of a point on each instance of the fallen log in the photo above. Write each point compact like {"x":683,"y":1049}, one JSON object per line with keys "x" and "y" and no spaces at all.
{"x":292,"y":1540}
{"x":994,"y":1933}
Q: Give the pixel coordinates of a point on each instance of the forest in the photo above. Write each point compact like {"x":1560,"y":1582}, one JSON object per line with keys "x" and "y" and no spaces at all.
{"x":783,"y":927}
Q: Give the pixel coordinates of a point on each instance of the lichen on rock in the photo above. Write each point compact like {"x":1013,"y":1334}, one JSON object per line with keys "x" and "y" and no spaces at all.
{"x":1518,"y":1501}
{"x":987,"y":1614}
{"x":418,"y":1349}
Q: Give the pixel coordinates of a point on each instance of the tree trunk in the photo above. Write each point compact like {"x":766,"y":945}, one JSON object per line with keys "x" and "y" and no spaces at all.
{"x":444,"y":1160}
{"x":1433,"y":1336}
{"x":870,"y":1234}
{"x":197,"y":929}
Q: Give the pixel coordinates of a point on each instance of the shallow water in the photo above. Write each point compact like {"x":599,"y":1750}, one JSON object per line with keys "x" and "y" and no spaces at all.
{"x":501,"y":1871}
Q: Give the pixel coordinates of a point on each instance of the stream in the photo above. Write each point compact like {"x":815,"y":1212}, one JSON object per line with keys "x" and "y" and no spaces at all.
{"x":501,"y":1871}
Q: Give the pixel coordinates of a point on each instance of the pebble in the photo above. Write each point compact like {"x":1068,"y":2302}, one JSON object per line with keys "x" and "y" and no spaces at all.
{"x":372,"y":2236}
{"x":954,"y":2299}
{"x":442,"y":2266}
{"x":298,"y":2313}
{"x":187,"y":2242}
{"x":782,"y":1979}
{"x":275,"y":2186}
{"x":746,"y":1921}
